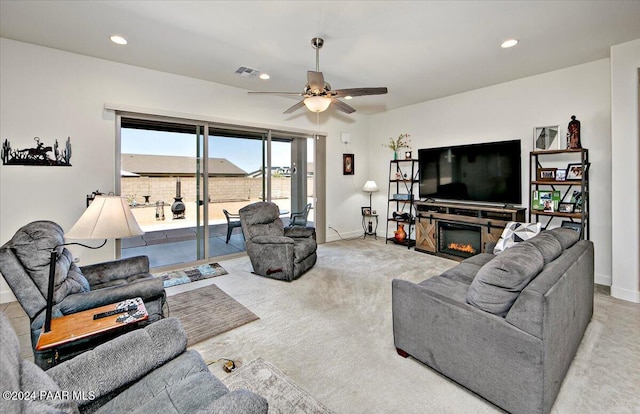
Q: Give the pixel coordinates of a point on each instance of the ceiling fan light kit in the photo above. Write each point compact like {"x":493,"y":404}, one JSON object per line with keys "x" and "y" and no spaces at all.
{"x":317,"y":103}
{"x":318,"y":95}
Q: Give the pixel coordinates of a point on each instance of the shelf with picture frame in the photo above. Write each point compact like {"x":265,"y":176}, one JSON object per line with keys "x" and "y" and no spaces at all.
{"x":565,"y":175}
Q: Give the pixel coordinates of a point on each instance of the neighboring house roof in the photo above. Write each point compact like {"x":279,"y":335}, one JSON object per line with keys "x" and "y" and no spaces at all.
{"x":166,"y":165}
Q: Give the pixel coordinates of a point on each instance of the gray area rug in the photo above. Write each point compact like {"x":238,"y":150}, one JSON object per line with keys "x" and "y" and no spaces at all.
{"x":206,"y":312}
{"x":283,"y":395}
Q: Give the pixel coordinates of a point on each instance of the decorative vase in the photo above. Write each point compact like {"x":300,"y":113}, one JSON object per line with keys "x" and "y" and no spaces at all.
{"x":400,"y":234}
{"x":395,"y":155}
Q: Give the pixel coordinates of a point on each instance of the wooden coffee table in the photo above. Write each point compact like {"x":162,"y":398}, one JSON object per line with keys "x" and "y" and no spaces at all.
{"x":71,"y":328}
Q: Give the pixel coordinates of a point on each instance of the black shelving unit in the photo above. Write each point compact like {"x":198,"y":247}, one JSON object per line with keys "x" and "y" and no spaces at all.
{"x":403,"y":182}
{"x":538,"y":159}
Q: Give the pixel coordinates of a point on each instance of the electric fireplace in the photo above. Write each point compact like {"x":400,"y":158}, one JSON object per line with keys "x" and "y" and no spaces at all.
{"x":460,"y":240}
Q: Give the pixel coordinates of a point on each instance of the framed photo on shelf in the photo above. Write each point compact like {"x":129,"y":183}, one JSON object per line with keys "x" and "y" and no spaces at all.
{"x":546,"y":201}
{"x":561,"y":174}
{"x":566,"y":207}
{"x":572,"y":225}
{"x":366,"y":211}
{"x":546,"y":174}
{"x":574,"y":171}
{"x":347,"y":164}
{"x":546,"y":138}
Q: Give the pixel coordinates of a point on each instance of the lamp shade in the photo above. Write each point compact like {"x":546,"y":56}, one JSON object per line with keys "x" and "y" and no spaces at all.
{"x":107,"y":217}
{"x":370,"y":187}
{"x":317,"y":103}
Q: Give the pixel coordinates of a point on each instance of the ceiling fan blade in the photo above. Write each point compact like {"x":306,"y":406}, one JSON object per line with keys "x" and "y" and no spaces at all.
{"x":341,"y":106}
{"x":316,"y":81}
{"x":277,"y":93}
{"x":294,"y":107}
{"x":359,"y":91}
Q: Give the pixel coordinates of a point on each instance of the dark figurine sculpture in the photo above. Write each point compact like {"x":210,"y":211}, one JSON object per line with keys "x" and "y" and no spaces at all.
{"x":573,"y":134}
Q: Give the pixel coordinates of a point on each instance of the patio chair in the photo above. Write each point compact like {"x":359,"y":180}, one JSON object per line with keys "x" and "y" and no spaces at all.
{"x":233,"y":222}
{"x":300,"y":218}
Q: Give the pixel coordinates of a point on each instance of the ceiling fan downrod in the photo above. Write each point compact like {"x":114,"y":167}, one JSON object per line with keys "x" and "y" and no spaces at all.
{"x":317,"y":43}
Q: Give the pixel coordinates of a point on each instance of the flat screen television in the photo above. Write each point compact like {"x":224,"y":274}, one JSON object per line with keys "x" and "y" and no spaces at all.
{"x":488,"y":172}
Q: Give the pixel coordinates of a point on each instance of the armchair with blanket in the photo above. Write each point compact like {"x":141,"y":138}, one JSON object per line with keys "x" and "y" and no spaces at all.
{"x":275,"y":251}
{"x":24,"y":264}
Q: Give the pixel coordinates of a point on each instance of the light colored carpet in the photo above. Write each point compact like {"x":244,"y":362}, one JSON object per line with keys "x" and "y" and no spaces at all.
{"x":283,"y":395}
{"x":206,"y":312}
{"x":330,"y":331}
{"x":190,"y":274}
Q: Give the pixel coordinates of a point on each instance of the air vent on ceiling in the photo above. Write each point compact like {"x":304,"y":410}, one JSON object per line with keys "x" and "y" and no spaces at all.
{"x":247,"y":72}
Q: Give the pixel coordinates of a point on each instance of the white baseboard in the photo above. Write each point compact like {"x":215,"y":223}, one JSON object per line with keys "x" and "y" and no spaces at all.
{"x":625,"y":294}
{"x":604,"y":280}
{"x":333,"y":236}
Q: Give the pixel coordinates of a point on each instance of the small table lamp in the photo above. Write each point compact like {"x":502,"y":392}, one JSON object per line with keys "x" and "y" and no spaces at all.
{"x":107,"y":217}
{"x":370,"y":187}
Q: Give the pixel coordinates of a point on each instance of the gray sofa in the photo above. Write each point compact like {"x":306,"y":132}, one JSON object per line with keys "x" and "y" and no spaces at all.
{"x":275,"y":251}
{"x":506,"y":326}
{"x":144,"y":371}
{"x":24,"y":264}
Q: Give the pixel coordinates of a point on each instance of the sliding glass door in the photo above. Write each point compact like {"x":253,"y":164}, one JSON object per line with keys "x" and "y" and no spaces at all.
{"x":186,"y":182}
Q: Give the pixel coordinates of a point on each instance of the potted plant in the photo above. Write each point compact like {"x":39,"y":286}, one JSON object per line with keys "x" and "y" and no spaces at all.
{"x":396,"y":144}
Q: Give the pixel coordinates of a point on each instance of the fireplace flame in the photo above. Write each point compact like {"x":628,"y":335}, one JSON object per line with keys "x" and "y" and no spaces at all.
{"x":462,"y":247}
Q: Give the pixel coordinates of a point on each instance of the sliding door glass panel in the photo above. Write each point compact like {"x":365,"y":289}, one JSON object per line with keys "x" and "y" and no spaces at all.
{"x":161,"y":180}
{"x":311,"y":185}
{"x":236,"y":178}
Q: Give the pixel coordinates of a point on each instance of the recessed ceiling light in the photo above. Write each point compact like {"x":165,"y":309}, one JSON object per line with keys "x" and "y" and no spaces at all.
{"x":348,"y":97}
{"x":118,"y":40}
{"x":265,"y":76}
{"x":509,"y":43}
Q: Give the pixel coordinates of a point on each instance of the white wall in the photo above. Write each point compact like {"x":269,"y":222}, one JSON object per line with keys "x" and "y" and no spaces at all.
{"x":54,"y":95}
{"x":510,"y":111}
{"x":625,"y":222}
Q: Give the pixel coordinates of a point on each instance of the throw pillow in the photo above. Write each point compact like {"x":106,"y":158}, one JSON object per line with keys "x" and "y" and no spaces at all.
{"x":499,"y":282}
{"x":515,"y":232}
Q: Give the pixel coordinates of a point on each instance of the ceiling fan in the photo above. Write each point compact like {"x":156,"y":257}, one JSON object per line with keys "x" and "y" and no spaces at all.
{"x":318,"y":94}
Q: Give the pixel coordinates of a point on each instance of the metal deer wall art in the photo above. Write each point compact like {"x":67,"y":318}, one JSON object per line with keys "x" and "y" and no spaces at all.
{"x":38,"y":155}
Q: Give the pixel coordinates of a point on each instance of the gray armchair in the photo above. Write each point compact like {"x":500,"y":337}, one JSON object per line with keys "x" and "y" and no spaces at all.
{"x":148,"y":370}
{"x":24,"y":264}
{"x":275,"y":251}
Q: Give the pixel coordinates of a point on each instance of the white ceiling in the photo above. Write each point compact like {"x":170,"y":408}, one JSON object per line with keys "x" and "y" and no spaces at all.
{"x":420,"y":50}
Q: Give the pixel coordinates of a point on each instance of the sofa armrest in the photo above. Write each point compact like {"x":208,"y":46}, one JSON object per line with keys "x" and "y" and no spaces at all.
{"x":239,"y":402}
{"x":299,"y":232}
{"x":118,"y":269}
{"x":120,"y":361}
{"x":148,"y":288}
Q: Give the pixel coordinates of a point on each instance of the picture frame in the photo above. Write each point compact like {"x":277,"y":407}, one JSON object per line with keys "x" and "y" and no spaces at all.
{"x":561,"y":174}
{"x":575,"y":171}
{"x":546,"y":201}
{"x":546,"y":174}
{"x":366,"y":211}
{"x":566,"y":207}
{"x":576,"y":198}
{"x":348,"y":167}
{"x":546,"y":138}
{"x":407,"y":155}
{"x":573,"y":225}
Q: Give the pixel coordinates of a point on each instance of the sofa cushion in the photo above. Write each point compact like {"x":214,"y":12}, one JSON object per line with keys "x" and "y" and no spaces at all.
{"x":35,"y":382}
{"x":565,"y":236}
{"x":499,"y":282}
{"x":515,"y":232}
{"x":464,"y":272}
{"x":549,"y":246}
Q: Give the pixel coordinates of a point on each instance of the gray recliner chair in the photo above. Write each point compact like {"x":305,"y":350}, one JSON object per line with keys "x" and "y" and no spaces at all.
{"x":275,"y":251}
{"x":145,"y":371}
{"x":24,"y":264}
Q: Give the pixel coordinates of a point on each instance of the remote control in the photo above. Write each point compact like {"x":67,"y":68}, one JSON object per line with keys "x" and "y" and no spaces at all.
{"x":115,"y":312}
